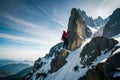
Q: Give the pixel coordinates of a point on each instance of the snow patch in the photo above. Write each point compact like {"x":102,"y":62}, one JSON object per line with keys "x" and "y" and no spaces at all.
{"x":118,"y":68}
{"x":116,"y":74}
{"x":99,"y":32}
{"x":118,"y":50}
{"x":92,"y":29}
{"x":117,"y":37}
{"x":102,"y":57}
{"x":93,"y":51}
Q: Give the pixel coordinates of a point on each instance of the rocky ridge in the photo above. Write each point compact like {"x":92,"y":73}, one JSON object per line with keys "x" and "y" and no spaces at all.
{"x":84,"y":59}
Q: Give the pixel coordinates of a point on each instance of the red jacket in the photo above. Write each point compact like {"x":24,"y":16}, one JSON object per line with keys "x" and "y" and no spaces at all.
{"x":65,"y":35}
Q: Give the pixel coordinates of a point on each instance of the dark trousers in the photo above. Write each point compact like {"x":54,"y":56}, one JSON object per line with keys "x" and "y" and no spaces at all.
{"x":65,"y":43}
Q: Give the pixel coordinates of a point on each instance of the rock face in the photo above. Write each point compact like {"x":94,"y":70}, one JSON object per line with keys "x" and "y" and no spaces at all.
{"x":105,"y":70}
{"x":88,"y":22}
{"x":59,"y":60}
{"x":112,"y":28}
{"x":88,"y":32}
{"x":76,"y":26}
{"x":54,"y":49}
{"x":94,"y":48}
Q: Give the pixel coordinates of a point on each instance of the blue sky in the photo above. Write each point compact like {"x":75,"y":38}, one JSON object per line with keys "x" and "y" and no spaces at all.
{"x":29,"y":28}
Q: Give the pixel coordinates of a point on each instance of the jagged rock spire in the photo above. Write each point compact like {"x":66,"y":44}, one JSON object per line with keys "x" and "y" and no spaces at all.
{"x":76,"y":26}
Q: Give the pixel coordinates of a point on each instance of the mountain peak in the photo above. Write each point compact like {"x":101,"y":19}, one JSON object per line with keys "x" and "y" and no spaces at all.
{"x":112,"y":28}
{"x":117,"y":11}
{"x":88,"y":20}
{"x":73,"y":10}
{"x":76,"y":27}
{"x":82,"y":11}
{"x":99,"y":17}
{"x":100,"y":22}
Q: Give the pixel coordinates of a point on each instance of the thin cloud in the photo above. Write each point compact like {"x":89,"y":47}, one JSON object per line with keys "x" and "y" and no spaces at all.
{"x":31,"y":28}
{"x":51,"y":17}
{"x":23,"y":39}
{"x":23,"y":54}
{"x":107,"y":7}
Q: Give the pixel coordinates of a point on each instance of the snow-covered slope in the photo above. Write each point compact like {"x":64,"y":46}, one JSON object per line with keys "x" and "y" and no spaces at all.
{"x":93,"y":30}
{"x":64,"y":73}
{"x":117,"y":37}
{"x":67,"y":71}
{"x":73,"y":69}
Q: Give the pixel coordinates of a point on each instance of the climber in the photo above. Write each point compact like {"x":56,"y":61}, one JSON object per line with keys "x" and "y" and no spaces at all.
{"x":65,"y":38}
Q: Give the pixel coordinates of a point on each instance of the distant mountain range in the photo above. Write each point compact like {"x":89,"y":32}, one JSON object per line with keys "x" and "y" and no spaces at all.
{"x":18,"y":76}
{"x":99,"y":22}
{"x":11,"y":69}
{"x":96,"y":23}
{"x":6,"y":61}
{"x":10,"y":61}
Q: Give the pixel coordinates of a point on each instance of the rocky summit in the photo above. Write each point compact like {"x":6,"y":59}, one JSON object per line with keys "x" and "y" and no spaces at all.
{"x":86,"y":57}
{"x":76,"y":26}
